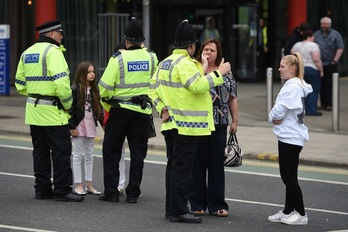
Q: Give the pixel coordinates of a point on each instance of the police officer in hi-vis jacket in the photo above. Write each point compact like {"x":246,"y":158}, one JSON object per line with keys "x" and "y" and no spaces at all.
{"x":124,"y":88}
{"x":180,"y":92}
{"x":43,"y":76}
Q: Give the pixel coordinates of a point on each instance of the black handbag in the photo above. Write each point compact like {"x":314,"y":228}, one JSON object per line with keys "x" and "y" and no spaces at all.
{"x":233,"y":153}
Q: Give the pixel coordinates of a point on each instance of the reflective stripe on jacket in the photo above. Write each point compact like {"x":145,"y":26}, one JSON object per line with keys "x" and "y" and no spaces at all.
{"x":180,"y":85}
{"x":42,"y":70}
{"x":128,"y":75}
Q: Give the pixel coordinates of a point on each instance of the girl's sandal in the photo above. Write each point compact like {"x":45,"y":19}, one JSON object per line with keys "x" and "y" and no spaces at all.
{"x":222,"y":213}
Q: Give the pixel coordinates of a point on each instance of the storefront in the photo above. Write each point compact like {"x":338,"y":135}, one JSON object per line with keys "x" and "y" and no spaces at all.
{"x":236,"y":21}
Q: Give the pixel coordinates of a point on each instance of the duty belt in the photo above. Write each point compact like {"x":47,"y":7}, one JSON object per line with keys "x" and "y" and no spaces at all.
{"x":141,"y":100}
{"x":55,"y":100}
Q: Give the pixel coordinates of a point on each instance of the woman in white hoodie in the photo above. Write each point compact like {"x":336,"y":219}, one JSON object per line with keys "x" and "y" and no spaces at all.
{"x":287,"y":117}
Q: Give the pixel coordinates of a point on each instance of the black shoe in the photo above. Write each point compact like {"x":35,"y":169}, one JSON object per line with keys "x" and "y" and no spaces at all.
{"x":132,"y":199}
{"x":69,"y":197}
{"x":103,"y":197}
{"x":44,"y":195}
{"x":315,"y":114}
{"x":187,"y":218}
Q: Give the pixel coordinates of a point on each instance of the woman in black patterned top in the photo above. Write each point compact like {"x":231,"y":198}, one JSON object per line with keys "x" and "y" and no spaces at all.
{"x":210,"y":149}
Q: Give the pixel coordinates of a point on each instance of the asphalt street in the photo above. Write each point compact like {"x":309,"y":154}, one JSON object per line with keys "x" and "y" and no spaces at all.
{"x":253,"y":191}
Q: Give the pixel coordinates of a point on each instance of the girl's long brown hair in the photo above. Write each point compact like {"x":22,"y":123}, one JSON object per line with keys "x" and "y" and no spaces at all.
{"x":81,"y":82}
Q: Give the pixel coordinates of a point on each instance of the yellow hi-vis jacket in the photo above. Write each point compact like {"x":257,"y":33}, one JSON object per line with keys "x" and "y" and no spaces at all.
{"x":128,"y":75}
{"x":264,"y":41}
{"x":180,"y":85}
{"x":42,"y":70}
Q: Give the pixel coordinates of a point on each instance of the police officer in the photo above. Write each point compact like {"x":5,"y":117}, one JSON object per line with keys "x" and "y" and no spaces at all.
{"x":43,"y":76}
{"x":124,"y":88}
{"x":180,"y":92}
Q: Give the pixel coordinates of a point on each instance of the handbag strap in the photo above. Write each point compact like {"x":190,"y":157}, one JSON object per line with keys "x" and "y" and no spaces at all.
{"x":232,"y":139}
{"x":235,"y":138}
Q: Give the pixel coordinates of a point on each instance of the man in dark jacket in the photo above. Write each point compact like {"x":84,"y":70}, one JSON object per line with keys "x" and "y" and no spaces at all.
{"x":296,"y":36}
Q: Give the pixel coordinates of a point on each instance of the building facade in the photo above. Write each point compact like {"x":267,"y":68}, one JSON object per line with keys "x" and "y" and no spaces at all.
{"x":92,"y":28}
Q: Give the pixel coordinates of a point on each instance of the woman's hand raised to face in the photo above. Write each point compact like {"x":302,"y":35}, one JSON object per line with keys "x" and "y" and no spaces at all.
{"x":224,"y":67}
{"x":204,"y":62}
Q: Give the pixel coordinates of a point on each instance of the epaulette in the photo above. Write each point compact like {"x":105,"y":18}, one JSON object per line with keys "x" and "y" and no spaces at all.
{"x":149,"y":50}
{"x":117,"y":53}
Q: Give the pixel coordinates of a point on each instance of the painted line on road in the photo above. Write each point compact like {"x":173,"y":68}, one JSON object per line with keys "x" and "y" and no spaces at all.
{"x":24,"y":228}
{"x":282,"y":206}
{"x":17,"y":147}
{"x":278,"y":176}
{"x":259,"y":174}
{"x":226,"y":169}
{"x":248,"y":162}
{"x":227,"y":199}
{"x":15,"y":174}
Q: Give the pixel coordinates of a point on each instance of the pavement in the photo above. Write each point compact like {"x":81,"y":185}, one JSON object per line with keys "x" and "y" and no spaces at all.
{"x":328,"y":144}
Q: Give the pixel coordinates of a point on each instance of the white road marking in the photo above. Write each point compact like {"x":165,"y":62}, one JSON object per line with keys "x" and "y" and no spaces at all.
{"x":277,"y":205}
{"x":227,"y":170}
{"x":15,"y":174}
{"x":24,"y":228}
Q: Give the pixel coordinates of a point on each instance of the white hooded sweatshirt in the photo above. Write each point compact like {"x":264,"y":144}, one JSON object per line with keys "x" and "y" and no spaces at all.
{"x":289,"y":107}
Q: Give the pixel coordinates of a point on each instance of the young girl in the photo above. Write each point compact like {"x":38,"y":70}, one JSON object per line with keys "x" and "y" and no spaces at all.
{"x":85,"y":113}
{"x":287,"y":117}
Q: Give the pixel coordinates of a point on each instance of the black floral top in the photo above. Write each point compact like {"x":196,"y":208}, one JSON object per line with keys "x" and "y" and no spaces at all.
{"x":220,"y":96}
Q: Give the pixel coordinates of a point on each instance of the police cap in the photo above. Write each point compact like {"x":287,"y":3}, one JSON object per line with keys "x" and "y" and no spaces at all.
{"x":185,"y":35}
{"x":134,"y":31}
{"x":54,"y":25}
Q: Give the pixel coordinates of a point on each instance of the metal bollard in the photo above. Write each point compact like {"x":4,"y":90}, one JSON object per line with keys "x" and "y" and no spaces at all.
{"x":269,"y":91}
{"x":335,"y":102}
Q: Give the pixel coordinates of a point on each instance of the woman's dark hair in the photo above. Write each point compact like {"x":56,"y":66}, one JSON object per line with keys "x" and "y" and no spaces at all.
{"x":218,"y":49}
{"x":80,"y":82}
{"x":307,"y":33}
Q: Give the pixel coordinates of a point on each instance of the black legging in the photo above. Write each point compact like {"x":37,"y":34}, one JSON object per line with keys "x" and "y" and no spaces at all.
{"x":288,"y":165}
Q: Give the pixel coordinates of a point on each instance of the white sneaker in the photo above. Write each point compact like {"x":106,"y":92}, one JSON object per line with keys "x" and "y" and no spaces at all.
{"x":278,"y":216}
{"x":295,"y":219}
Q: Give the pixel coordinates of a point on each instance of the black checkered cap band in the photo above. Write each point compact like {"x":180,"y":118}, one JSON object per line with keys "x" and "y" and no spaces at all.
{"x":57,"y":27}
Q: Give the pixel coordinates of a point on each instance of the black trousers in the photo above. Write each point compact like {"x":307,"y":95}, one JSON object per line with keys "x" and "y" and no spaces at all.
{"x":326,"y":85}
{"x":56,"y":139}
{"x":135,"y":126}
{"x":288,"y":165}
{"x":180,"y":156}
{"x":208,"y":175}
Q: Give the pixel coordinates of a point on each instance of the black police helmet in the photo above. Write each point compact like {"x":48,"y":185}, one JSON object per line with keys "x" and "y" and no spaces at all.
{"x":185,"y":35}
{"x":134,"y":31}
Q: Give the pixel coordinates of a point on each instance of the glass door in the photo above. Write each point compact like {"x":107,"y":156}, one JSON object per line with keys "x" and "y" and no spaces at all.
{"x":245,"y":33}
